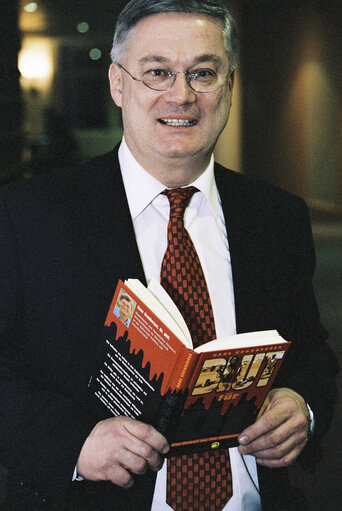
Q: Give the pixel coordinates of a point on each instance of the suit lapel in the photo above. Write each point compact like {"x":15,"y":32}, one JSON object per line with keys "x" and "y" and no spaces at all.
{"x":95,"y":202}
{"x":246,"y":242}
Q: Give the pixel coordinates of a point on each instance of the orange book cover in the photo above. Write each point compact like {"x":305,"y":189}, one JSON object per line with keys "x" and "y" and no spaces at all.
{"x":194,"y":399}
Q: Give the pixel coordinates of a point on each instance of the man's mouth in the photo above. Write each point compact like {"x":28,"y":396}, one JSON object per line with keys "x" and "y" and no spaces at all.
{"x":178,"y":122}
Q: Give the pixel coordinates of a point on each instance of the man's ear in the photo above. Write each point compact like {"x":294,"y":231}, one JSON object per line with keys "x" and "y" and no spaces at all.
{"x":231,"y":81}
{"x":115,"y":81}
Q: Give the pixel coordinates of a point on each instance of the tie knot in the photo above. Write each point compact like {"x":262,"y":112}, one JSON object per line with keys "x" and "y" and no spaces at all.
{"x":179,"y":198}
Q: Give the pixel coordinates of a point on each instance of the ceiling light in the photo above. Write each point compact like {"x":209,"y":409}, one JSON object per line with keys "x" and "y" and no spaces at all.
{"x":83,"y":27}
{"x":31,"y":7}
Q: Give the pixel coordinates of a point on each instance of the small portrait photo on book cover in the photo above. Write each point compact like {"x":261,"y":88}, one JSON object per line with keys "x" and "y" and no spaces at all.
{"x":124,"y":307}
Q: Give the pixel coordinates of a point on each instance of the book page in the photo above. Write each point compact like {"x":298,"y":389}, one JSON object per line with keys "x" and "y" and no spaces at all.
{"x":156,"y":298}
{"x":165,"y":299}
{"x":250,"y":339}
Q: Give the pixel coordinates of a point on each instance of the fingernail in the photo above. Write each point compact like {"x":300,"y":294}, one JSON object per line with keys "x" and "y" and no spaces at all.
{"x":166,"y":449}
{"x":156,"y":469}
{"x":243,"y":439}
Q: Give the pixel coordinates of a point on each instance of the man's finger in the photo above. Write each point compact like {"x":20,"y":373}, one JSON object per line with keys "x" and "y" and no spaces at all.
{"x":272,"y":448}
{"x":268,"y":422}
{"x":120,"y":476}
{"x":282,"y":405}
{"x":138,"y":456}
{"x":285,"y":436}
{"x":148,"y":434}
{"x":283,"y":461}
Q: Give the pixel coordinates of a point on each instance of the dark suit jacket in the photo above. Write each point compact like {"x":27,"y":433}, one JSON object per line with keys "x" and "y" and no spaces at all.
{"x":65,"y":241}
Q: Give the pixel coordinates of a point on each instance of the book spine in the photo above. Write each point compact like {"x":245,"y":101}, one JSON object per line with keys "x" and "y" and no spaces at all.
{"x":166,"y":416}
{"x":173,"y":402}
{"x":183,"y":370}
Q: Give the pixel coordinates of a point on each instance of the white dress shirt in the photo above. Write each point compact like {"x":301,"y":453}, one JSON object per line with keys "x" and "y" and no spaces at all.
{"x":205,"y":223}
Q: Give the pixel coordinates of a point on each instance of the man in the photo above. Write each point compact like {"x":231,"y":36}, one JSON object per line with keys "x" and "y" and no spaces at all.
{"x":172,"y":75}
{"x":124,"y":310}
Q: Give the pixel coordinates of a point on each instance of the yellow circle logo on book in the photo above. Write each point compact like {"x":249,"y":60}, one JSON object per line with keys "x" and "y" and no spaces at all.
{"x":215,"y":445}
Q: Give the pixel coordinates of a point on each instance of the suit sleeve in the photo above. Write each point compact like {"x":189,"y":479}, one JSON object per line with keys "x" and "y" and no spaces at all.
{"x":311,"y":366}
{"x":41,"y":430}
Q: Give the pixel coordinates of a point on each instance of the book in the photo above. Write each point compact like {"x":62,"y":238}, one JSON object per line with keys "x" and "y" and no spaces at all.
{"x":198,"y":398}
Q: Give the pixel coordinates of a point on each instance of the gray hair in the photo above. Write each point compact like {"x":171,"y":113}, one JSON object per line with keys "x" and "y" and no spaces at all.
{"x":137,"y":10}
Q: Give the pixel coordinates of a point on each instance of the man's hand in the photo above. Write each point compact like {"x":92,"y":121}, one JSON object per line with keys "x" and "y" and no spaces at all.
{"x":119,"y":447}
{"x":280,"y":432}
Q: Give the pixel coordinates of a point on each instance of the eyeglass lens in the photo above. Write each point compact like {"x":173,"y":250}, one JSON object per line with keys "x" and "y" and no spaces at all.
{"x":202,"y":81}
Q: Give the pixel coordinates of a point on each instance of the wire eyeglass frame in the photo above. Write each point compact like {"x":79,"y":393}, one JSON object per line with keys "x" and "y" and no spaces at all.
{"x":188,"y":77}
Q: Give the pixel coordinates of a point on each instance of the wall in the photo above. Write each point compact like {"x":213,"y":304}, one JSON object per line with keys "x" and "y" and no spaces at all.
{"x":292,"y":101}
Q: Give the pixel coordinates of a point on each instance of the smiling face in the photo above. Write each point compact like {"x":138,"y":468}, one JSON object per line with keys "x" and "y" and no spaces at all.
{"x":125,"y":309}
{"x":172,"y":133}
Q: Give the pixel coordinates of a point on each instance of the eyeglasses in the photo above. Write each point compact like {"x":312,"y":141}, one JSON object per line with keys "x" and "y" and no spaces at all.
{"x":202,"y":80}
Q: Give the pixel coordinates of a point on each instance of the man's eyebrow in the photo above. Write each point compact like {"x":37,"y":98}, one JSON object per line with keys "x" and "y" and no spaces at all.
{"x":152,"y":58}
{"x":206,"y":57}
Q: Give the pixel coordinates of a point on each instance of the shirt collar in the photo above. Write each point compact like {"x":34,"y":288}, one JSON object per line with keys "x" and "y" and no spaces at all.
{"x":135,"y":177}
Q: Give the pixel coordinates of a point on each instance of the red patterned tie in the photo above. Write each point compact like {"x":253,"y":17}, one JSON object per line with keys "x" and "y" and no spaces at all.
{"x":181,"y":272}
{"x":200,"y":481}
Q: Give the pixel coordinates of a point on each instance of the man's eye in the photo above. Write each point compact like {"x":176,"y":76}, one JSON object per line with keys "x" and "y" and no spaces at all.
{"x":203,"y":74}
{"x":156,"y":73}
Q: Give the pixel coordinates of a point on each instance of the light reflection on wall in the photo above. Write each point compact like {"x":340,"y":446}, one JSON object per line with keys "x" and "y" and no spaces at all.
{"x":32,"y":17}
{"x":322,"y":131}
{"x":36,"y":62}
{"x":36,"y":65}
{"x":310,"y":115}
{"x":307,"y":128}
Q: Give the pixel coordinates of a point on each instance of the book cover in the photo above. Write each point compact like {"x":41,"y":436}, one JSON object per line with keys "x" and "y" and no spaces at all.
{"x":194,"y":398}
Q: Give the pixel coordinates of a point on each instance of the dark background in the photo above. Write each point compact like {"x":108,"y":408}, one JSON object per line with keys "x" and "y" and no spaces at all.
{"x":291,"y":129}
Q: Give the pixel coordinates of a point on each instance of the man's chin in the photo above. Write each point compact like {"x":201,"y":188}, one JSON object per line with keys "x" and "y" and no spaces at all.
{"x":178,"y":151}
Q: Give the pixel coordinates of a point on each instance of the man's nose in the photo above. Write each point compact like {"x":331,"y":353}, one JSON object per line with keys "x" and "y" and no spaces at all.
{"x":181,"y":91}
